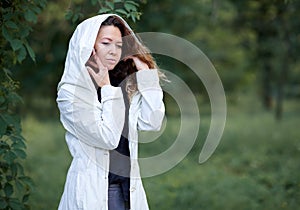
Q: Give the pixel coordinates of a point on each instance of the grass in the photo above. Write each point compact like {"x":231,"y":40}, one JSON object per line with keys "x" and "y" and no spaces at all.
{"x":47,"y":162}
{"x":256,"y":166}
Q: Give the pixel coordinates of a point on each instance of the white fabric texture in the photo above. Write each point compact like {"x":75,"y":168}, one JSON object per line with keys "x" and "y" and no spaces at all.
{"x":94,"y":128}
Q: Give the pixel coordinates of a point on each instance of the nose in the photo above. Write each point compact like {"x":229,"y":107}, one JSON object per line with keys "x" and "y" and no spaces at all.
{"x":113,"y":49}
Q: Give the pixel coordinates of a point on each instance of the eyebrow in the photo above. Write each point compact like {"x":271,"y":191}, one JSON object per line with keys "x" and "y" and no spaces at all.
{"x":120,"y":42}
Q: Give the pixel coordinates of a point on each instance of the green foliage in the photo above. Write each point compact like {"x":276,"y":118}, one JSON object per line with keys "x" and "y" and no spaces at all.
{"x":14,"y":185}
{"x":206,"y":24}
{"x":251,"y":43}
{"x":275,"y":25}
{"x":16,"y":20}
{"x":256,"y":166}
{"x":126,"y":8}
{"x":47,"y":161}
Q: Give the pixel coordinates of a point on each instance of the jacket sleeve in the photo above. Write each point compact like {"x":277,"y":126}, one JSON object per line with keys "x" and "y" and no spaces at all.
{"x":152,"y":109}
{"x":96,"y":124}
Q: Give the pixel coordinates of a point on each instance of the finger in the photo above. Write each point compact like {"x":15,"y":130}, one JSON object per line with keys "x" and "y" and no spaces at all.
{"x":140,"y":64}
{"x":92,"y":64}
{"x":136,"y":60}
{"x":91,"y":71}
{"x":98,"y":77}
{"x":91,"y":61}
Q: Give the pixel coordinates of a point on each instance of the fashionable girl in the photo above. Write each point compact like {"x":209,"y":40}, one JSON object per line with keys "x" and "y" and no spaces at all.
{"x":109,"y":90}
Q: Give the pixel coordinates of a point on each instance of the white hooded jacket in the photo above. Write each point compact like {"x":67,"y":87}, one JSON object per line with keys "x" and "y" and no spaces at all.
{"x":94,"y":128}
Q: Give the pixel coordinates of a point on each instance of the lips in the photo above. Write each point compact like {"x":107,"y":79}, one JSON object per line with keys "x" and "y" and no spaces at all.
{"x":111,"y":61}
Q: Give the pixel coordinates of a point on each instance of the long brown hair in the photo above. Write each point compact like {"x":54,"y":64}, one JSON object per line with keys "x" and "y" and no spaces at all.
{"x":125,"y":69}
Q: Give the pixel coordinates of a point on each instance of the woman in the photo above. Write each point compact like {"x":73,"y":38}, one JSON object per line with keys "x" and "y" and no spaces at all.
{"x":109,"y":90}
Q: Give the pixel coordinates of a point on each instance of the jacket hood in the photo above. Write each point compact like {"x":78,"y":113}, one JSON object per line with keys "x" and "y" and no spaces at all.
{"x":80,"y":48}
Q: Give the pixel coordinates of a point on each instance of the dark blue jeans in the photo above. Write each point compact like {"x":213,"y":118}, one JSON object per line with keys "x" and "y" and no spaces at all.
{"x":116,"y":198}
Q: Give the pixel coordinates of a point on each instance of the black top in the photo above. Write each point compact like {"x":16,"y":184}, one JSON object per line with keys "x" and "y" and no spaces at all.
{"x":119,"y":168}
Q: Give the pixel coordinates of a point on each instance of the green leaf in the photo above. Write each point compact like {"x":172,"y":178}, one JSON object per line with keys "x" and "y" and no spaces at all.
{"x":103,"y":10}
{"x":15,"y":99}
{"x":3,"y":203}
{"x":30,"y":51}
{"x":11,"y":120}
{"x":9,"y":156}
{"x":24,"y":31}
{"x":11,"y":24}
{"x":94,"y":2}
{"x":14,"y":169}
{"x":7,"y":15}
{"x":20,"y":169}
{"x":81,"y":15}
{"x":134,"y":3}
{"x":18,"y":140}
{"x":6,"y":34}
{"x":16,"y":44}
{"x":130,"y":7}
{"x":27,"y":181}
{"x":37,"y":10}
{"x":69,"y":15}
{"x":30,"y":16}
{"x":15,"y":204}
{"x":2,"y":151}
{"x":19,"y":185}
{"x":121,"y":11}
{"x":110,"y":5}
{"x":133,"y":18}
{"x":43,"y":3}
{"x":2,"y":99}
{"x":3,"y":125}
{"x":25,"y":198}
{"x":4,"y":145}
{"x":75,"y":17}
{"x":9,"y":178}
{"x":20,"y":153}
{"x":21,"y":54}
{"x":8,"y":189}
{"x":19,"y":144}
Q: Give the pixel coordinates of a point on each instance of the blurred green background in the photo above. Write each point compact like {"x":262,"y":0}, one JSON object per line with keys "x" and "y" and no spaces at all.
{"x":254,"y":48}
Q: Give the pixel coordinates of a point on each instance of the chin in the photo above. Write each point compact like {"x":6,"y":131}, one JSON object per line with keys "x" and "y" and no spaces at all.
{"x":111,"y":68}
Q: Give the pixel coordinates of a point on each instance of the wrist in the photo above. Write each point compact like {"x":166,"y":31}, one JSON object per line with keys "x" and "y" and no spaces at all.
{"x":102,"y":83}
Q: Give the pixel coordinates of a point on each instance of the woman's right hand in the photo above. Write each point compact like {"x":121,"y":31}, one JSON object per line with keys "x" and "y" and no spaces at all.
{"x":101,"y":77}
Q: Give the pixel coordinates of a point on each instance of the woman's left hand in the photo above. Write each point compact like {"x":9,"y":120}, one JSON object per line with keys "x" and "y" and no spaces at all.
{"x":140,"y":65}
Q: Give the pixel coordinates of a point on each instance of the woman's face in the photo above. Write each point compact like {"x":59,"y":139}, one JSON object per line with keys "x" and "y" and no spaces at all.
{"x":108,"y":46}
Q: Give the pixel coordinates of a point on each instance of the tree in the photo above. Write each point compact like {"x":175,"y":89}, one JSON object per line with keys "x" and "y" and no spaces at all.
{"x":275,"y":24}
{"x":16,"y":20}
{"x":208,"y":25}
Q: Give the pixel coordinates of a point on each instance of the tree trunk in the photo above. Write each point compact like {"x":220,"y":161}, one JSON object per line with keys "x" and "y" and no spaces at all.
{"x":266,"y":85}
{"x":265,"y":32}
{"x":280,"y":95}
{"x":283,"y":57}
